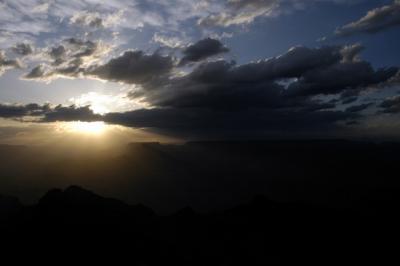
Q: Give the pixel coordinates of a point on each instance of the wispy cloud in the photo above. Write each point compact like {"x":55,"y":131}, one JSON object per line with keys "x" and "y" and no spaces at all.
{"x":374,"y":21}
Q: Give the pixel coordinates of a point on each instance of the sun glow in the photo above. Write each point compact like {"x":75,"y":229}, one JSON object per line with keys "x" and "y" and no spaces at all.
{"x":93,"y":128}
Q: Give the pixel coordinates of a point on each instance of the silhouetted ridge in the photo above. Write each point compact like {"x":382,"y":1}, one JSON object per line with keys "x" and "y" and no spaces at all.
{"x":260,"y":232}
{"x":74,"y":195}
{"x":75,"y":204}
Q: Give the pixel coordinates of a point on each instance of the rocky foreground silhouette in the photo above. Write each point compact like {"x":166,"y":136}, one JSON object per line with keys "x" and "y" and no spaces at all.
{"x":71,"y":222}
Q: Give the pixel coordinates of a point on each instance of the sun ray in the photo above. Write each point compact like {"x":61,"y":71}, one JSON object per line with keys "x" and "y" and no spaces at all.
{"x":91,"y":128}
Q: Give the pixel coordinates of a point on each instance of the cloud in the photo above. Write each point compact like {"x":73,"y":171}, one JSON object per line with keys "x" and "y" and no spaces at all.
{"x":195,"y":121}
{"x":69,"y":59}
{"x":88,"y":20}
{"x":72,"y":69}
{"x":19,"y":111}
{"x":46,"y":113}
{"x":70,"y":113}
{"x":134,"y":67}
{"x":391,"y":105}
{"x":347,"y":100}
{"x":37,"y":72}
{"x":351,"y":53}
{"x":358,"y":108}
{"x":22,"y":49}
{"x":222,"y":84}
{"x":168,"y":41}
{"x":40,"y":22}
{"x":221,"y":95}
{"x":203,"y":49}
{"x":58,"y":53}
{"x":395,"y":80}
{"x":6,"y":63}
{"x":374,"y":21}
{"x":286,"y":92}
{"x":340,"y":77}
{"x":238,"y":12}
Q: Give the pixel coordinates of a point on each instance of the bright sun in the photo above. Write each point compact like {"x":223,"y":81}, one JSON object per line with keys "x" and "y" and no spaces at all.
{"x":94,"y":128}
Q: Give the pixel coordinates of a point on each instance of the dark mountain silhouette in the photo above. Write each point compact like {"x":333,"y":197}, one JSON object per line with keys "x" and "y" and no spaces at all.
{"x":210,"y":175}
{"x":76,"y":222}
{"x":320,"y":202}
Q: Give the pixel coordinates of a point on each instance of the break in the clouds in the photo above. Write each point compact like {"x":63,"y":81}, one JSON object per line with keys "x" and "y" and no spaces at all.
{"x":375,"y":20}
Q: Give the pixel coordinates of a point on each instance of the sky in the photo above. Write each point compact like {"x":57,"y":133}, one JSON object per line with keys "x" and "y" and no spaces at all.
{"x":183,"y":70}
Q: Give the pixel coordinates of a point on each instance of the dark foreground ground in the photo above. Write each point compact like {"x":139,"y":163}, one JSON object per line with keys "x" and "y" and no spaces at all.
{"x":77,"y":225}
{"x":259,"y":203}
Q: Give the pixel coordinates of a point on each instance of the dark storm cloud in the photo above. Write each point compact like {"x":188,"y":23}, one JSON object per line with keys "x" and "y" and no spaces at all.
{"x":391,"y":105}
{"x":222,"y":85}
{"x":224,"y":96}
{"x":375,"y":20}
{"x":22,"y":49}
{"x":340,"y":77}
{"x":70,"y":113}
{"x":134,"y":67}
{"x":292,"y":64}
{"x":221,"y":95}
{"x":276,"y":94}
{"x":203,"y":49}
{"x":46,"y":113}
{"x":19,"y":111}
{"x":201,"y":120}
{"x":225,"y":85}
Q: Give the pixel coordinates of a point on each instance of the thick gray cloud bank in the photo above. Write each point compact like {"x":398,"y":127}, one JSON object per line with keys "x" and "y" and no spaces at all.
{"x":286,"y":93}
{"x":375,"y":20}
{"x":46,"y":113}
{"x":225,"y":85}
{"x":134,"y":67}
